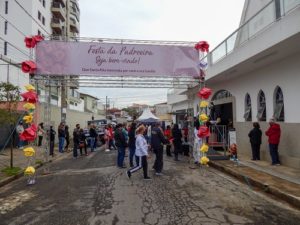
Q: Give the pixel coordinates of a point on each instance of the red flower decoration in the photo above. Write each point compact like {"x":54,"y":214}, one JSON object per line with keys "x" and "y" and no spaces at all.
{"x":30,"y":96}
{"x":29,"y":134}
{"x":30,"y":42}
{"x":204,"y":93}
{"x":28,"y":67}
{"x":202,"y":46}
{"x":203,"y":132}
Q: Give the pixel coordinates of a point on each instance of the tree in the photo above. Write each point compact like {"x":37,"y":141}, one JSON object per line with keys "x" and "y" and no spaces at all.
{"x":131,"y":111}
{"x":9,"y":98}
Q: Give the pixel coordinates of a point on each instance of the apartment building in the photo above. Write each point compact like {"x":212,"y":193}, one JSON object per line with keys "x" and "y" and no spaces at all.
{"x":254,"y":74}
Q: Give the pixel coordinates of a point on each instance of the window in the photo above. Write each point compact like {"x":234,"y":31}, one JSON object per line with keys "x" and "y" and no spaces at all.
{"x":221,"y":95}
{"x":261,"y":107}
{"x":278,"y":104}
{"x":44,"y":3}
{"x":248,"y":111}
{"x":39,"y":15}
{"x":39,"y":32}
{"x":5,"y":27}
{"x":43,"y":20}
{"x":5,"y":48}
{"x":6,"y":7}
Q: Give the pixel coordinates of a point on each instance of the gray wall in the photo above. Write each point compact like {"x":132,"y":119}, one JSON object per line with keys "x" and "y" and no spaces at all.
{"x":289,"y":143}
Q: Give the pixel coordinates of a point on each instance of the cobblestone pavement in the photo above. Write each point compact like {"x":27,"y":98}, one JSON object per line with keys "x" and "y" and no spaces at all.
{"x":91,"y":190}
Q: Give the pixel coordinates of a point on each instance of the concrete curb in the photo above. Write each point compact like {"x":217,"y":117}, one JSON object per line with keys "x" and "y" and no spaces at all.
{"x":21,"y":174}
{"x":291,"y":199}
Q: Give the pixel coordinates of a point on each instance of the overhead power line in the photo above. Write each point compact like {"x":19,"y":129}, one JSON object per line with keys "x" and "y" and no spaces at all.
{"x":15,"y":47}
{"x":13,"y":25}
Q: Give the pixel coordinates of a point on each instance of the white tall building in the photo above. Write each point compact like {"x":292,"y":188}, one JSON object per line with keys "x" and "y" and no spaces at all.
{"x":19,"y":19}
{"x":255,"y":76}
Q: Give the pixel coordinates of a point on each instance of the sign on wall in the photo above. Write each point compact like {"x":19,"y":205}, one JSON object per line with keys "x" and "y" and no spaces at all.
{"x":90,"y":58}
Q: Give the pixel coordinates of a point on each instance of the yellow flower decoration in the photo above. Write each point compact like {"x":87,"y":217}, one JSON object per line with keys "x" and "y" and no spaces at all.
{"x":204,"y":160}
{"x":203,"y":117}
{"x":203,"y":104}
{"x":204,"y":148}
{"x":29,"y":106}
{"x":29,"y":170}
{"x":29,"y":87}
{"x":29,"y":152}
{"x":28,"y":118}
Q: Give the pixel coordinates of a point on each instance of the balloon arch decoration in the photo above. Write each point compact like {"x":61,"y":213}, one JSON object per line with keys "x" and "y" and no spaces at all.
{"x":113,"y":63}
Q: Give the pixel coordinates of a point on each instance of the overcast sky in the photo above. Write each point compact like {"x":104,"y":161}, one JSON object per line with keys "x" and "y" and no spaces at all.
{"x":176,"y":20}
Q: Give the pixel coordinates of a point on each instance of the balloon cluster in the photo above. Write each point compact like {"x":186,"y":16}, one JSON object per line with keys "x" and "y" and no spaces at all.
{"x":204,"y":94}
{"x":30,"y":99}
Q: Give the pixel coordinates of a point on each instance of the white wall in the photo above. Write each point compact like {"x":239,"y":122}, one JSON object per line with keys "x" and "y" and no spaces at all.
{"x":284,"y":73}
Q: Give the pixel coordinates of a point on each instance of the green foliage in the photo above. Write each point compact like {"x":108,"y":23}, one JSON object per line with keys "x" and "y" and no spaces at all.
{"x":11,"y":171}
{"x":10,"y":96}
{"x":131,"y":111}
{"x":38,"y":161}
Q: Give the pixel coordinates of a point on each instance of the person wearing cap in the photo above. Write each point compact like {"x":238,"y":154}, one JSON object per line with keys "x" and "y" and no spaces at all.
{"x":273,"y":134}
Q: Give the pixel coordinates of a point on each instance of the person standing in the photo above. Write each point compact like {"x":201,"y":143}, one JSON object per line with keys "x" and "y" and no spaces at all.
{"x":76,"y":139}
{"x":111,"y":142}
{"x":255,"y":140}
{"x":52,"y":141}
{"x":273,"y":134}
{"x":157,"y":141}
{"x":82,"y":142}
{"x":177,"y":140}
{"x":67,"y":138}
{"x":40,"y":134}
{"x":20,"y":130}
{"x":141,"y":153}
{"x":93,"y":136}
{"x":197,"y":143}
{"x":131,"y":143}
{"x":168,"y":135}
{"x":61,"y":137}
{"x":121,"y":145}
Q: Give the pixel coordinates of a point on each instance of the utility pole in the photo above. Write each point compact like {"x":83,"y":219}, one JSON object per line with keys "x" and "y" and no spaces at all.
{"x":106,"y":107}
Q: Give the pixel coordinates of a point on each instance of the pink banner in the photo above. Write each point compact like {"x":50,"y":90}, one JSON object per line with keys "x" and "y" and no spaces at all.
{"x":89,"y":58}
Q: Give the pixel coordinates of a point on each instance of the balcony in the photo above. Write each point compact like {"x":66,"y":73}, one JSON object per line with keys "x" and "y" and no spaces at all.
{"x":271,"y":34}
{"x":57,"y":26}
{"x":74,"y":25}
{"x":63,"y":2}
{"x":58,"y":11}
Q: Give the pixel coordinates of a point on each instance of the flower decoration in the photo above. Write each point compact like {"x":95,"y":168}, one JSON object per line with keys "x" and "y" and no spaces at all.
{"x":203,"y":117}
{"x":204,"y":160}
{"x":29,"y":106}
{"x":29,"y":170}
{"x":204,"y":93}
{"x":29,"y":87}
{"x":28,"y":67}
{"x":203,"y":132}
{"x":30,"y":96}
{"x":204,"y":148}
{"x":28,"y":118}
{"x":29,"y":134}
{"x":202,"y":46}
{"x":28,"y":152}
{"x":30,"y":42}
{"x":204,"y":104}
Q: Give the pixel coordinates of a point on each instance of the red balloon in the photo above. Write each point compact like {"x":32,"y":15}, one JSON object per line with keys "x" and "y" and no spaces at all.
{"x":28,"y":67}
{"x":204,"y":93}
{"x":31,"y":42}
{"x":38,"y":38}
{"x":203,"y":132}
{"x":30,"y":96}
{"x":202,"y":46}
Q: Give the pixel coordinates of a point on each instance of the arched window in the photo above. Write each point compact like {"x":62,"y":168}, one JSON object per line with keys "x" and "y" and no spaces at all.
{"x":248,"y":111}
{"x":278,"y":104}
{"x":221,"y":94}
{"x":261,"y":106}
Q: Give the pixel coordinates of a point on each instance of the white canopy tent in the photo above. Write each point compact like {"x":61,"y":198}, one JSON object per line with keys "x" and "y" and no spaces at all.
{"x":147,"y":116}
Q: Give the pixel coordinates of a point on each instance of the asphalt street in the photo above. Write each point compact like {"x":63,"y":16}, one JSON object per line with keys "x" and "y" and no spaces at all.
{"x":93,"y":191}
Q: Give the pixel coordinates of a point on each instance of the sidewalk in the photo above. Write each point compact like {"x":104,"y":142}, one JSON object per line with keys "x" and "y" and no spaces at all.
{"x":281,"y":181}
{"x":19,"y":160}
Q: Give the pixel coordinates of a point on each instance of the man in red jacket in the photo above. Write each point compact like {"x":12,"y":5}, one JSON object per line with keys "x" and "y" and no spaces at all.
{"x":274,"y":137}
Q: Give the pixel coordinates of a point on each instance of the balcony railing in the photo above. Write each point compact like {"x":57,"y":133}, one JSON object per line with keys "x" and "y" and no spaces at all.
{"x":269,"y":14}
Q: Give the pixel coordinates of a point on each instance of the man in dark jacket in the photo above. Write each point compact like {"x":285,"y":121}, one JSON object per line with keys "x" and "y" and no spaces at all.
{"x":131,"y":143}
{"x":157,"y":142}
{"x":274,"y":133}
{"x":76,"y":140}
{"x":93,"y":136}
{"x":255,"y":140}
{"x":121,"y":144}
